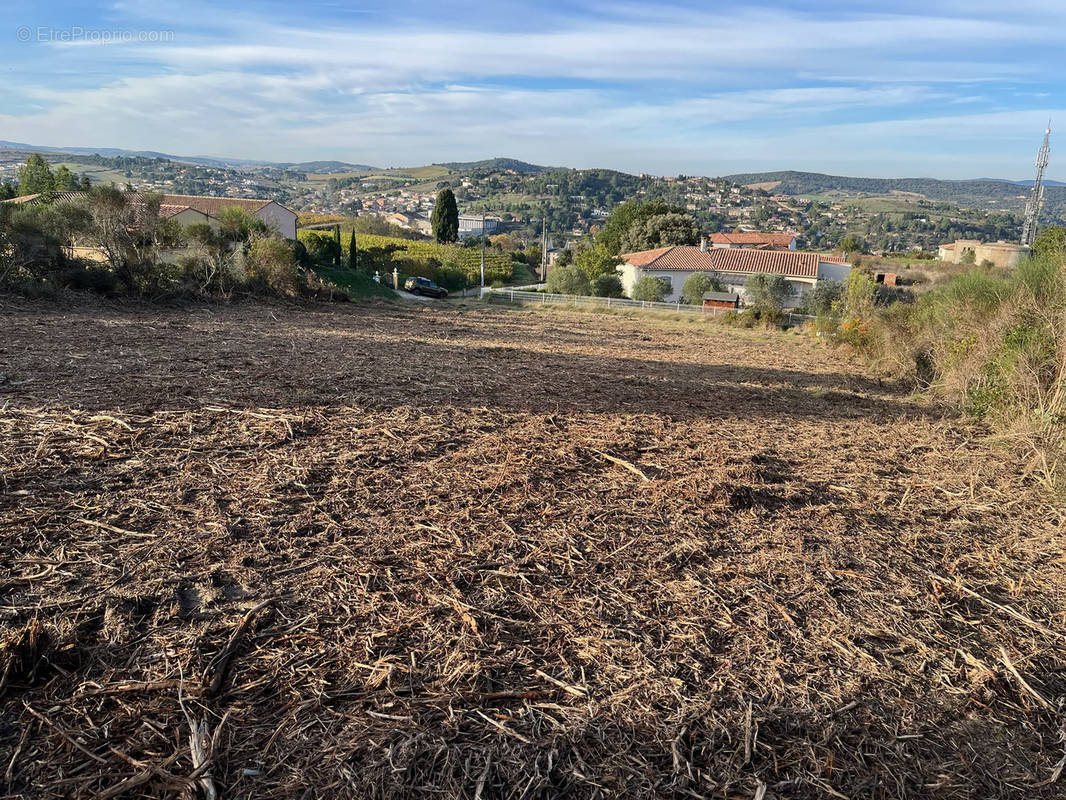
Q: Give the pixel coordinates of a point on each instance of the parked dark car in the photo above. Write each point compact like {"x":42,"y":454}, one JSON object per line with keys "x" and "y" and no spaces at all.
{"x":425,"y":287}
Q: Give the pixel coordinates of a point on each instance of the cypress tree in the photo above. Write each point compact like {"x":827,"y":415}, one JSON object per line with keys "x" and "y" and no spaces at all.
{"x":445,"y":217}
{"x":353,"y":258}
{"x":337,"y":251}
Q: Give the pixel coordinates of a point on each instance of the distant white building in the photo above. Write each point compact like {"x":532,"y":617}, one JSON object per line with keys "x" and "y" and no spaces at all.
{"x":733,"y":266}
{"x":477,"y":225}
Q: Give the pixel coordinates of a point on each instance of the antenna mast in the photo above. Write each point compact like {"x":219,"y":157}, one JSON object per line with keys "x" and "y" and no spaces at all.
{"x":1036,"y":197}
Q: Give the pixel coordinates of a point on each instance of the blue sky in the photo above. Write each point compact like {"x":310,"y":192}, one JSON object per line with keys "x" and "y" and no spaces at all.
{"x":943,"y":88}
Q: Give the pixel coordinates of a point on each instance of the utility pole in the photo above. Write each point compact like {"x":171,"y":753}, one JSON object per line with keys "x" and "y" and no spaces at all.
{"x":1036,"y":197}
{"x":544,"y":247}
{"x":482,"y":256}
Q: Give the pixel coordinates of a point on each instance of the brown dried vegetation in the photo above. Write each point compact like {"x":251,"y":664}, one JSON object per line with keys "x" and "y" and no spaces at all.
{"x":382,"y":552}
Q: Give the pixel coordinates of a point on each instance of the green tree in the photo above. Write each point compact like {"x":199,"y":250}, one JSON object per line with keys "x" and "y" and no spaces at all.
{"x":1050,"y":242}
{"x":568,"y":280}
{"x":323,"y":249}
{"x":607,"y":285}
{"x":851,"y":244}
{"x":35,"y":176}
{"x":353,"y":253}
{"x":651,"y":289}
{"x":85,"y":184}
{"x":696,"y":284}
{"x":597,"y":260}
{"x":768,"y":294}
{"x":622,"y":218}
{"x":856,"y":300}
{"x":63,"y":180}
{"x":445,"y":217}
{"x":661,"y":230}
{"x":820,"y":300}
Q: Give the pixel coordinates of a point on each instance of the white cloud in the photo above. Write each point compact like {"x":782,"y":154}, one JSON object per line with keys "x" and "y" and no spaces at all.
{"x":640,"y":88}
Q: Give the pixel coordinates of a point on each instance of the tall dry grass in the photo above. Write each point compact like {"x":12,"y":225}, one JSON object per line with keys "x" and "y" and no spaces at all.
{"x":994,"y":344}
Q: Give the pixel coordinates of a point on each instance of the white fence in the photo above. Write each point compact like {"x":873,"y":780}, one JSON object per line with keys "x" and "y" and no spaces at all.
{"x":581,"y":301}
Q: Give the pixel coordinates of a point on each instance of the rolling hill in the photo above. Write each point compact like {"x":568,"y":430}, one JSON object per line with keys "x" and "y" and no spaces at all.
{"x":996,"y":194}
{"x":495,"y":165}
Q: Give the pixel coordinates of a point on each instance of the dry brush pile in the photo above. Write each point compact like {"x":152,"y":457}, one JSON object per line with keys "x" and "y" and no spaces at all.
{"x":261,"y":552}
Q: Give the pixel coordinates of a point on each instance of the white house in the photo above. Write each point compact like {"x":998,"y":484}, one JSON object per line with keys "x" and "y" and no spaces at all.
{"x":733,"y":266}
{"x":476,"y":225}
{"x":273,"y":213}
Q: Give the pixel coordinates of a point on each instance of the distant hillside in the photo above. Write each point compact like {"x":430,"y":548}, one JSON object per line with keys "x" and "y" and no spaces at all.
{"x":326,"y":167}
{"x":204,"y":161}
{"x":981,"y":193}
{"x":495,"y":164}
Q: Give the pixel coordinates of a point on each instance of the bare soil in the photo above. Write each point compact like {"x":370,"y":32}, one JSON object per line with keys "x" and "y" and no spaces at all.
{"x":385,"y":551}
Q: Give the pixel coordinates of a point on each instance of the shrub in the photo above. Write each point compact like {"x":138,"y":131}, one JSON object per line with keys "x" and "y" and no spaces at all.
{"x":607,"y":285}
{"x":995,"y":345}
{"x":84,"y":278}
{"x":651,"y":289}
{"x":767,"y":294}
{"x":323,"y":248}
{"x":568,"y":280}
{"x":819,"y":301}
{"x":271,"y":262}
{"x":696,"y":284}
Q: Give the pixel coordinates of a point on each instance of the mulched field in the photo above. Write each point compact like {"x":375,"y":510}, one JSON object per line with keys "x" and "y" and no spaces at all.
{"x":266,"y":552}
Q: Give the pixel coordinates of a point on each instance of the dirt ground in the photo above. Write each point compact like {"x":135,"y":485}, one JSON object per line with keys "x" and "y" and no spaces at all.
{"x":387,"y":551}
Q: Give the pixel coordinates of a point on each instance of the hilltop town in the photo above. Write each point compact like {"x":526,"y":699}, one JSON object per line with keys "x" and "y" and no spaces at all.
{"x":519,"y":197}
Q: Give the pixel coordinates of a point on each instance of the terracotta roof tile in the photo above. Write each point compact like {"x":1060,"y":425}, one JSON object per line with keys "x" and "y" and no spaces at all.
{"x":790,"y":263}
{"x":756,"y":239}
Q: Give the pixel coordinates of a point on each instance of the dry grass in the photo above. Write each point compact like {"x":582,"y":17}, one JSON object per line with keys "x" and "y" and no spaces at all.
{"x":382,"y":552}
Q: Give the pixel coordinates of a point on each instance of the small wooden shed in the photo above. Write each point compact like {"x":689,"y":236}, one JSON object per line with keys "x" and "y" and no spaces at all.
{"x":721,"y":300}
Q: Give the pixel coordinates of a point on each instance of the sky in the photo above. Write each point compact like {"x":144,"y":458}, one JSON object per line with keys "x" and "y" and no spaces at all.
{"x":937,"y":88}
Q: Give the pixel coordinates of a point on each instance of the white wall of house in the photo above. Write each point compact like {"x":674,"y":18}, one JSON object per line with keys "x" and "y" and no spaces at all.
{"x":280,"y":218}
{"x":630,"y":275}
{"x":828,"y":271}
{"x":190,"y":216}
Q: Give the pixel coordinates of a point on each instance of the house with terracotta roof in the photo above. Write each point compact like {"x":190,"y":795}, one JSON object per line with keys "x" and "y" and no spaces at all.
{"x":732,"y":266}
{"x":759,"y":241}
{"x":273,"y":213}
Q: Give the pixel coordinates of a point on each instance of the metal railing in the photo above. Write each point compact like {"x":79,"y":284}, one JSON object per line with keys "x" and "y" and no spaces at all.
{"x":582,"y":301}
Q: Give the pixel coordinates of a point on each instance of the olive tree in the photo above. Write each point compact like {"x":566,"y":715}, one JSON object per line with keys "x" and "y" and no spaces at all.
{"x":696,"y":284}
{"x":568,"y":280}
{"x":651,"y":289}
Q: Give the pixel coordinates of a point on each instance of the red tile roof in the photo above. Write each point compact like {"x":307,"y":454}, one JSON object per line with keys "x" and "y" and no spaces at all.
{"x":756,"y":239}
{"x":645,"y":257}
{"x":790,"y":263}
{"x":167,"y":211}
{"x":212,"y":205}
